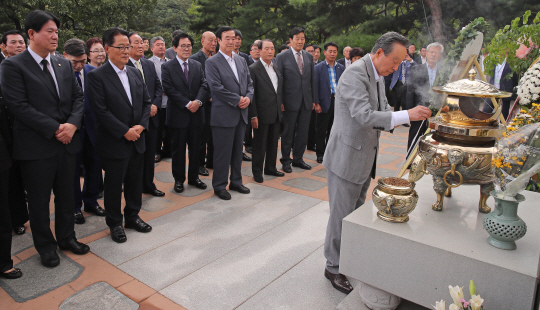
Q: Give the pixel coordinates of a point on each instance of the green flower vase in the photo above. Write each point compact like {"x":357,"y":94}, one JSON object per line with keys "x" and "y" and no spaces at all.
{"x":503,"y":224}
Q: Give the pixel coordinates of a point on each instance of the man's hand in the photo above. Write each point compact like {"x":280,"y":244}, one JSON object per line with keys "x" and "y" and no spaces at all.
{"x":419,"y":113}
{"x":65,"y":132}
{"x":318,"y":108}
{"x":193,"y":106}
{"x":255,"y":123}
{"x":313,"y":107}
{"x":244,"y":102}
{"x":282,"y":107}
{"x":153,"y":110}
{"x":138,"y":128}
{"x":132,"y":135}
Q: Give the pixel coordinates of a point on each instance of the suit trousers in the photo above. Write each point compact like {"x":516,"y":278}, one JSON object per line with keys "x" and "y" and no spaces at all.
{"x":40,"y":176}
{"x":265,"y":142}
{"x":416,"y":131}
{"x":5,"y":224}
{"x":228,"y":152}
{"x":296,"y":136}
{"x":206,"y":156}
{"x":324,"y":125}
{"x":163,"y":142}
{"x":16,"y":197}
{"x":149,"y":157}
{"x":312,"y":133}
{"x":344,"y":198}
{"x":127,"y":171}
{"x":92,"y":176}
{"x":248,"y":139}
{"x":180,"y":137}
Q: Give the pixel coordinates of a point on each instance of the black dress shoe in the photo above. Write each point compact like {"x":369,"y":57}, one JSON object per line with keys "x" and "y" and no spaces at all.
{"x":79,"y":218}
{"x":275,"y":173}
{"x":258,"y":178}
{"x":406,"y":125}
{"x":287,"y":168}
{"x":139,"y":225}
{"x":198,"y":184}
{"x":157,"y":158}
{"x":245,"y":157}
{"x":339,"y":281}
{"x":223,"y":194}
{"x":75,"y":246}
{"x":302,"y":165}
{"x":178,"y":187}
{"x":241,"y":189}
{"x":50,"y":259}
{"x":203,"y":171}
{"x":319,"y":159}
{"x":19,"y":230}
{"x":97,"y":210}
{"x":13,"y":274}
{"x":118,"y":234}
{"x":249,"y":149}
{"x":155,"y":193}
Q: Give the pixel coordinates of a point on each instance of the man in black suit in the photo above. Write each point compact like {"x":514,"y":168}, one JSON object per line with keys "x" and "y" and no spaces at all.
{"x":238,"y":45}
{"x":296,"y":67}
{"x":153,"y":85}
{"x":504,"y":79}
{"x":265,"y":112}
{"x":170,"y":53}
{"x":186,"y":87}
{"x":254,"y":53}
{"x":420,"y":81}
{"x":206,"y":151}
{"x":121,"y":103}
{"x":45,"y":136}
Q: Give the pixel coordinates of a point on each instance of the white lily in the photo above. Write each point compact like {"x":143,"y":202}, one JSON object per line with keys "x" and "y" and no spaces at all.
{"x":457,"y":294}
{"x":476,"y":302}
{"x":453,"y":307}
{"x":440,"y":305}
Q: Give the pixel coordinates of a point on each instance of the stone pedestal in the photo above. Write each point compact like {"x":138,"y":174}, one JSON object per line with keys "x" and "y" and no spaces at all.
{"x":417,"y":260}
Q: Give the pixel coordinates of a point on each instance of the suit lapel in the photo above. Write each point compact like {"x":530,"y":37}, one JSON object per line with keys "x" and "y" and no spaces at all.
{"x":372,"y":81}
{"x":224,"y":63}
{"x":115,"y":80}
{"x":58,"y":74}
{"x":292,"y":58}
{"x":264,"y":74}
{"x":238,"y":68}
{"x":179,"y":72}
{"x":34,"y":68}
{"x":191,"y":73}
{"x":132,"y":86}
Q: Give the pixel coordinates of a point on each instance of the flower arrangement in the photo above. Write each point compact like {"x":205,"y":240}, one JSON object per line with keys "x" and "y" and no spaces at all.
{"x":459,"y":303}
{"x":529,"y":88}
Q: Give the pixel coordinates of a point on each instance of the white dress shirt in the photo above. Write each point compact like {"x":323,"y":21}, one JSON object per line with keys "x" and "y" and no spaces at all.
{"x":122,"y":74}
{"x":399,"y":117}
{"x":230,"y":61}
{"x":182,"y":66}
{"x":498,"y":74}
{"x":295,"y":53}
{"x":271,"y":73}
{"x":432,"y":74}
{"x":38,"y":59}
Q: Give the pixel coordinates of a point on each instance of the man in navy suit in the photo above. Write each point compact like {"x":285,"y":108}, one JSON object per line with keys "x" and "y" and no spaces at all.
{"x":327,"y":75}
{"x":75,"y":51}
{"x":504,"y":79}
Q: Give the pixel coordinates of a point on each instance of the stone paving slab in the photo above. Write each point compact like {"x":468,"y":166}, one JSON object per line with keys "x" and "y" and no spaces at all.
{"x":164,"y":176}
{"x":38,"y":279}
{"x":311,"y":156}
{"x":323,"y":173}
{"x":235,"y":277}
{"x":192,"y":191}
{"x":20,"y":243}
{"x":305,"y":184}
{"x":390,"y":141}
{"x":93,"y":225}
{"x":153,"y":204}
{"x":99,"y":296}
{"x":394,"y":149}
{"x":299,"y":170}
{"x":384,"y":159}
{"x":183,"y":256}
{"x":386,"y":172}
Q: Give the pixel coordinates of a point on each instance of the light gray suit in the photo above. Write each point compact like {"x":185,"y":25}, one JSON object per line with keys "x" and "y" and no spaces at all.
{"x":361,"y":112}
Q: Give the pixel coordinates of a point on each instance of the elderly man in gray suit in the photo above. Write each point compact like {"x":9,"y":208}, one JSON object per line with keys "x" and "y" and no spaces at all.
{"x":232,"y":91}
{"x":361,"y":113}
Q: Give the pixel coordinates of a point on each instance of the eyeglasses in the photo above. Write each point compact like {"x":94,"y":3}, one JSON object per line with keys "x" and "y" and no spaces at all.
{"x":97,"y":51}
{"x":122,"y":48}
{"x":185,"y":47}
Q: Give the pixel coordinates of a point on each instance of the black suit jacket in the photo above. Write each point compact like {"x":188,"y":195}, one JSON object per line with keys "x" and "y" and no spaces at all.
{"x":342,"y":62}
{"x":153,"y":85}
{"x":245,"y":56}
{"x":506,"y":84}
{"x":114,"y":113}
{"x":37,"y":108}
{"x":200,"y":56}
{"x":5,"y":138}
{"x":181,"y":92}
{"x":418,"y":87}
{"x":266,"y":104}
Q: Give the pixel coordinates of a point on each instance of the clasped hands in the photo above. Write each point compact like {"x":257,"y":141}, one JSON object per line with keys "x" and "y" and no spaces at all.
{"x":244,"y":102}
{"x":65,"y":132}
{"x":134,"y":133}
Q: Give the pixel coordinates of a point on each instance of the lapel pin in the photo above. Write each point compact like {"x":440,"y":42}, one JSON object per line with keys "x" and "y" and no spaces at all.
{"x":59,"y":65}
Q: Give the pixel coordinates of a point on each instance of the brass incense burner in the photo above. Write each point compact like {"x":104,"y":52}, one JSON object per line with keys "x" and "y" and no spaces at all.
{"x":395,"y":198}
{"x":460,"y":147}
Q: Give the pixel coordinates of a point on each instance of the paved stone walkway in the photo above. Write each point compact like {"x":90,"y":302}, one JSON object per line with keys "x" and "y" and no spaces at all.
{"x":257,"y":251}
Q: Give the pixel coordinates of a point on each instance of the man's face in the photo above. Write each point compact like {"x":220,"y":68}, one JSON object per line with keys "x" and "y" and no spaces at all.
{"x":14,"y":45}
{"x":255,"y":53}
{"x":423,"y":52}
{"x":238,"y":43}
{"x":434,"y":55}
{"x":226,"y":42}
{"x":316,"y":54}
{"x":298,"y":41}
{"x":412,"y":49}
{"x":76,"y":61}
{"x":158,"y":48}
{"x":183,"y":51}
{"x":346,"y":52}
{"x":47,"y":38}
{"x":388,"y":64}
{"x":267,"y":52}
{"x":311,"y":50}
{"x":209,"y":42}
{"x":331,"y":53}
{"x":146,"y":45}
{"x":137,"y":50}
{"x":118,"y":54}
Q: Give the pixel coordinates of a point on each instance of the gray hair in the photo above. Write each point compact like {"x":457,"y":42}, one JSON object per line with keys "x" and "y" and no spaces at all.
{"x":387,"y":40}
{"x":154,"y":39}
{"x":435,"y":44}
{"x":75,"y":47}
{"x":346,"y":47}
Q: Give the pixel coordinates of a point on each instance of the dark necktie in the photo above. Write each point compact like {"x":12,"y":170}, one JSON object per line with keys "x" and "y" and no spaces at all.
{"x":78,"y":75}
{"x":186,"y":71}
{"x":44,"y":62}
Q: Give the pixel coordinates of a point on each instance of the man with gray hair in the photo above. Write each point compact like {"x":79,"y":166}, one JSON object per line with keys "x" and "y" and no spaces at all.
{"x":346,"y":60}
{"x":361,"y":113}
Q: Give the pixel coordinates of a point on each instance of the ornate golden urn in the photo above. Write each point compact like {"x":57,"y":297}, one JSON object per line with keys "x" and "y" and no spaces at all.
{"x":459,"y":148}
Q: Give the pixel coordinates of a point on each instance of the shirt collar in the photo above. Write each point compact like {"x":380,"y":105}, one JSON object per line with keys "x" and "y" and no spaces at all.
{"x":226,"y":56}
{"x":329,"y":64}
{"x":294,"y":51}
{"x":181,"y":61}
{"x":162,"y":60}
{"x":377,"y":77}
{"x":135,"y":61}
{"x":429,"y":68}
{"x":266,"y":65}
{"x":116,"y":69}
{"x":38,"y":58}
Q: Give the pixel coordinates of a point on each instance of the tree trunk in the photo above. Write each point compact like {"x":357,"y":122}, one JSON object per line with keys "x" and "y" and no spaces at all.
{"x":436,"y":21}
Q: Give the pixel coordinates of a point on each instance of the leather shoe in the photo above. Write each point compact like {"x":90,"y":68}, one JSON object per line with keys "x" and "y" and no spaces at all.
{"x":157,"y":158}
{"x":319,"y":159}
{"x":139,"y":225}
{"x":203,"y":171}
{"x":178,"y":187}
{"x":50,"y":259}
{"x":156,"y":193}
{"x":13,"y":274}
{"x":118,"y":234}
{"x":97,"y":210}
{"x":19,"y":230}
{"x":241,"y":189}
{"x":245,"y":157}
{"x":339,"y":281}
{"x":258,"y":178}
{"x":198,"y":184}
{"x":302,"y":165}
{"x":223,"y":194}
{"x":249,"y":149}
{"x":406,"y":125}
{"x":287,"y":168}
{"x":79,"y":218}
{"x":275,"y":173}
{"x":75,"y":246}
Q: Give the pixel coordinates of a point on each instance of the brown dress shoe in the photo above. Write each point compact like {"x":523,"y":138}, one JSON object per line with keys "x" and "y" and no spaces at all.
{"x":339,"y":281}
